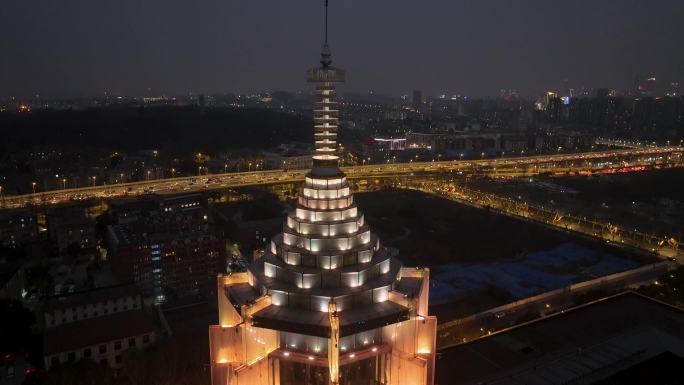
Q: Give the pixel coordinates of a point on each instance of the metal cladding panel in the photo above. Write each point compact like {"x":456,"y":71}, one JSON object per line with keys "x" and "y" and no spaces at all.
{"x":292,"y":327}
{"x":381,"y":294}
{"x":350,"y":279}
{"x":256,"y":374}
{"x":353,"y":328}
{"x":408,"y":370}
{"x":279,"y":298}
{"x":221,"y":374}
{"x":363,"y":298}
{"x":225,"y":344}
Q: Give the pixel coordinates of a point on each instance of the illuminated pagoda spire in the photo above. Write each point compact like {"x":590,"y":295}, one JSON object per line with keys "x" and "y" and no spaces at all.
{"x":326,"y":304}
{"x":325,"y":111}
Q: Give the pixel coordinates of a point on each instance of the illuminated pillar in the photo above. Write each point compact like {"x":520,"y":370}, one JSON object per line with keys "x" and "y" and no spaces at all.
{"x":333,"y":344}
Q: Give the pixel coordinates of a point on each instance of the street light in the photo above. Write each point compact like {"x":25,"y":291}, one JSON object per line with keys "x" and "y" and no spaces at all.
{"x":63,"y":183}
{"x":94,"y":178}
{"x":33,"y":186}
{"x":173,"y":172}
{"x":148,"y":174}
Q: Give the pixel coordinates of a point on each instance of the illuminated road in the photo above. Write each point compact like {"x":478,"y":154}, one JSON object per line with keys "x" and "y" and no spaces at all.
{"x":577,"y":163}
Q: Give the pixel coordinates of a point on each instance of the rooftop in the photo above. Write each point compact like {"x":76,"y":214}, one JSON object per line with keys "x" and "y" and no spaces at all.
{"x":317,"y":322}
{"x":582,"y":345}
{"x":91,"y":296}
{"x":81,"y":334}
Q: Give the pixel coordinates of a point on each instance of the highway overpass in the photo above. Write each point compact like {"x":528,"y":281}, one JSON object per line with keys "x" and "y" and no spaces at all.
{"x":575,"y":163}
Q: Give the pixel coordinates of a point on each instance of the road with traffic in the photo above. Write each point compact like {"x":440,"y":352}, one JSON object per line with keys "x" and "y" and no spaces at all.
{"x":575,"y":163}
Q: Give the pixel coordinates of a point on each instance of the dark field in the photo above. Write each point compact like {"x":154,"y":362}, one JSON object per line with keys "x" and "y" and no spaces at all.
{"x":651,"y":202}
{"x":431,"y":231}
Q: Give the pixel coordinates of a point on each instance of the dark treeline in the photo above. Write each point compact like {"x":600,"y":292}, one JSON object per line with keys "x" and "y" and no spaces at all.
{"x":176,"y":130}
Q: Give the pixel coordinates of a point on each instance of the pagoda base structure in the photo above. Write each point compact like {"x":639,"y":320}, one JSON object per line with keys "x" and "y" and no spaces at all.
{"x":389,"y":342}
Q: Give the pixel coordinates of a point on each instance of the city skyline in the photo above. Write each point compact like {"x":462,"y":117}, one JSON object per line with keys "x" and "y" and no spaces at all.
{"x":468,"y":49}
{"x":507,"y":168}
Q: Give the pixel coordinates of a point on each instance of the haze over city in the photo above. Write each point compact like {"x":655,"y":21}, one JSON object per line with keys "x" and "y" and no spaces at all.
{"x":474,"y":48}
{"x":338,"y":192}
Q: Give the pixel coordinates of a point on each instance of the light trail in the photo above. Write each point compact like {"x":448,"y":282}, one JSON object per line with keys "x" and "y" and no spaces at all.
{"x":578,"y":163}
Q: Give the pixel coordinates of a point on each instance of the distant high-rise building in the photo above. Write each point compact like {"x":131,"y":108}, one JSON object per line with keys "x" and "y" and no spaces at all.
{"x":417,"y":99}
{"x":550,"y":96}
{"x":673,"y":89}
{"x":327,"y":304}
{"x":602,"y":92}
{"x":645,"y":86}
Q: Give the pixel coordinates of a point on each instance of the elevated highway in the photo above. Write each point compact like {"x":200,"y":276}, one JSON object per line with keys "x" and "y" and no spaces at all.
{"x":576,"y":163}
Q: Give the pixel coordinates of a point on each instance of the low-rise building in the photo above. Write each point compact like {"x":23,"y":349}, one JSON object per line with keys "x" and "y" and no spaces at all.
{"x":295,"y":156}
{"x":101,"y":339}
{"x":96,"y":303}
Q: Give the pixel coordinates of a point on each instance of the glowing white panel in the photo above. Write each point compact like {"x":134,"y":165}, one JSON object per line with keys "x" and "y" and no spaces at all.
{"x":350,"y":279}
{"x":385,"y":267}
{"x":289,"y":239}
{"x":278,"y":298}
{"x":365,"y":237}
{"x":269,"y":270}
{"x":316,"y":245}
{"x":335,"y":261}
{"x":293,"y":258}
{"x":324,"y":262}
{"x":307,"y":228}
{"x":343,"y":302}
{"x":310,"y":280}
{"x":342,"y":244}
{"x":381,"y":294}
{"x":291,"y":223}
{"x":320,"y":303}
{"x":365,"y":256}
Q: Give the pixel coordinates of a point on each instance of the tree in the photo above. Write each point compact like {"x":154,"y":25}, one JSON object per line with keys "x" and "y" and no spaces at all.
{"x":39,"y":280}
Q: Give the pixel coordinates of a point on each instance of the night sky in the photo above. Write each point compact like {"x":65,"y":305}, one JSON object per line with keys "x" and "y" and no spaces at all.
{"x":64,"y":48}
